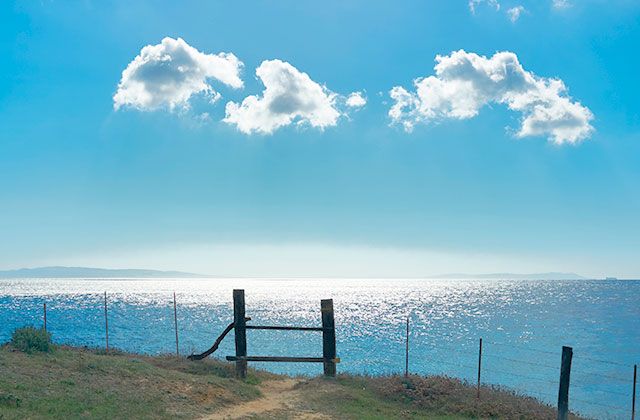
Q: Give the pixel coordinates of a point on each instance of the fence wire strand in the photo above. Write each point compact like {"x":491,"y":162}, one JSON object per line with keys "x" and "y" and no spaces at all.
{"x":599,"y":404}
{"x":466,"y":349}
{"x":519,"y":375}
{"x":604,"y":391}
{"x":521,"y":361}
{"x":604,"y":375}
{"x":608,"y":362}
{"x":523,"y":348}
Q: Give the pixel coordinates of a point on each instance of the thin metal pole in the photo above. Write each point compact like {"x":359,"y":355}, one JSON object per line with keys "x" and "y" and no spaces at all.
{"x":479,"y":368}
{"x":406,"y":352}
{"x":633,"y":398}
{"x":175,"y":319}
{"x":45,"y":316}
{"x":106,"y":320}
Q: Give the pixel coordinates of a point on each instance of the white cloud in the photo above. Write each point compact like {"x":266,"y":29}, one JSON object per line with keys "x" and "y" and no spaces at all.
{"x":168,"y":74}
{"x":493,"y":3}
{"x":515,"y":12}
{"x":561,"y":4}
{"x":466,"y":82}
{"x":356,"y":100}
{"x":289,"y":96}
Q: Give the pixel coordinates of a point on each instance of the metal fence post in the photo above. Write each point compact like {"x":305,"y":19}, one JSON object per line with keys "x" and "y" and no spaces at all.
{"x":406,"y":352}
{"x":106,"y":322}
{"x":175,"y":320}
{"x":479,"y":368}
{"x":633,"y":397}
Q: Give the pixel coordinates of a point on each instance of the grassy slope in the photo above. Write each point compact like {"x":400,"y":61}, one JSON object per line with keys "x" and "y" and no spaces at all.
{"x":357,"y":397}
{"x":72,"y":383}
{"x":76,"y":383}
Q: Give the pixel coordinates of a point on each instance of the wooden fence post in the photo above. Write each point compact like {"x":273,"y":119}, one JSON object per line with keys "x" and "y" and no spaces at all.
{"x":175,"y":320}
{"x":328,"y":337}
{"x":240,"y":326}
{"x":406,"y":353}
{"x":106,"y":321}
{"x":45,"y":316}
{"x":633,"y":397}
{"x":563,"y":389}
{"x":479,"y":367}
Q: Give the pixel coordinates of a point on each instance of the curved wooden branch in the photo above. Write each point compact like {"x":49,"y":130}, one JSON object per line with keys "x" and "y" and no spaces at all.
{"x":216,"y":344}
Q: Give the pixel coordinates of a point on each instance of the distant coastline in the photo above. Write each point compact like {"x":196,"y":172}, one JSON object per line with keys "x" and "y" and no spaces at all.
{"x":129,"y":273}
{"x":513,"y":276}
{"x":88,"y":272}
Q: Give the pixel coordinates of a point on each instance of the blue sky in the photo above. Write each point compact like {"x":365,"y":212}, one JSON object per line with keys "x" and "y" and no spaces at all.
{"x":182,"y":185}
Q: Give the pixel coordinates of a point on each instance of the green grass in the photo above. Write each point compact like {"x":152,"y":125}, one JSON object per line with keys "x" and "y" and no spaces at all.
{"x":74,"y":383}
{"x":80,"y":383}
{"x":434,"y":397}
{"x":353,"y":398}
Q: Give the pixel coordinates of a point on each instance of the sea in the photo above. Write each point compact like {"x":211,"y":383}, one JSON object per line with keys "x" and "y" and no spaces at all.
{"x":523,"y":325}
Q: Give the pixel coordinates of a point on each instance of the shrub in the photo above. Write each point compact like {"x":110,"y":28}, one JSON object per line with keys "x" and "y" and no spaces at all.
{"x":31,"y":339}
{"x":9,"y":400}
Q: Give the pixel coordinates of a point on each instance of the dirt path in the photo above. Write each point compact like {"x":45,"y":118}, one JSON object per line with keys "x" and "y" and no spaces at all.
{"x":280,"y":399}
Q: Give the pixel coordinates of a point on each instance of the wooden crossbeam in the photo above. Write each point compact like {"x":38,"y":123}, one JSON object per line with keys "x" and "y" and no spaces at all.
{"x":282,"y":328}
{"x":280,"y":359}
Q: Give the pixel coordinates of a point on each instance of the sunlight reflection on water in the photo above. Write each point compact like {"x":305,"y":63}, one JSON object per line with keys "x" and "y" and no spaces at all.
{"x":599,"y":319}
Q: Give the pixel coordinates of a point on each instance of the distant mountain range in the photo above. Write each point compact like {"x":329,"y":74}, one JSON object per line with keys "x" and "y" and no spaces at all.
{"x":86,"y":272}
{"x":513,"y":276}
{"x":89,"y":272}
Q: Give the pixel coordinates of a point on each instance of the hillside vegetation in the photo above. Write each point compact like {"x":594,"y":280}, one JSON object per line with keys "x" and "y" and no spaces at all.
{"x":81,"y":383}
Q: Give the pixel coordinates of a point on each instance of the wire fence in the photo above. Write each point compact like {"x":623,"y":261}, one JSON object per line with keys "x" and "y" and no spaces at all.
{"x":599,"y":387}
{"x":597,"y":390}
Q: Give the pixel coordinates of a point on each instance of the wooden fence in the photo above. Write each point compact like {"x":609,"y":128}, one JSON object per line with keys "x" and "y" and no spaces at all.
{"x":329,"y":357}
{"x":328,"y":330}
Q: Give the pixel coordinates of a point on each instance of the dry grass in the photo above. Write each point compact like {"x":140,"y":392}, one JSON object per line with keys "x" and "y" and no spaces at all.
{"x":76,"y":383}
{"x":72,"y":383}
{"x":434,"y":397}
{"x":452,"y":396}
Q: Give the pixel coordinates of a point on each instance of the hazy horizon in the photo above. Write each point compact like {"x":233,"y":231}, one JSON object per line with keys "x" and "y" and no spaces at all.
{"x":71,"y":272}
{"x":332,"y":139}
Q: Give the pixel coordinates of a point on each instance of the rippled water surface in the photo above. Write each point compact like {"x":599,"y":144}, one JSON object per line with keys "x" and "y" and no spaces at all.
{"x":523,"y":324}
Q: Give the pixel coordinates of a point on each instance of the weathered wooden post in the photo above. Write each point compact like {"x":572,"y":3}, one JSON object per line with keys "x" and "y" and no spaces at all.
{"x":406,"y":353}
{"x":175,"y":321}
{"x":106,"y":321}
{"x":45,"y":316}
{"x":479,"y":368}
{"x":633,"y":396}
{"x":240,"y":326}
{"x":328,"y":337}
{"x":563,"y":390}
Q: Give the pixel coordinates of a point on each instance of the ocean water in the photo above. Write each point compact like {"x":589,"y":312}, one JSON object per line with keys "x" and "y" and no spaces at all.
{"x":523,"y":324}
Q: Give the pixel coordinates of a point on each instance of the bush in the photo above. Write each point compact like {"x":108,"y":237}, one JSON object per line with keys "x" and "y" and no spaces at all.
{"x":31,"y":339}
{"x":9,"y":400}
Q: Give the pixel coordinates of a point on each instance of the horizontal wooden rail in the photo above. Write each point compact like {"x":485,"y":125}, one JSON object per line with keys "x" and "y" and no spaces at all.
{"x":282,"y":328}
{"x":280,"y":359}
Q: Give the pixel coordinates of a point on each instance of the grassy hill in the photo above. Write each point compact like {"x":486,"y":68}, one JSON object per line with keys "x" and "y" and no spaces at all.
{"x":81,"y":383}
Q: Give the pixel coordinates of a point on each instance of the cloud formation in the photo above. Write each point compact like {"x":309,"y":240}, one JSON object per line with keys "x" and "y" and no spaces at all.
{"x":561,"y":4}
{"x":465,"y":82}
{"x":474,"y":3}
{"x":515,"y":12}
{"x":356,"y":100}
{"x":168,"y":74}
{"x":289,"y":96}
